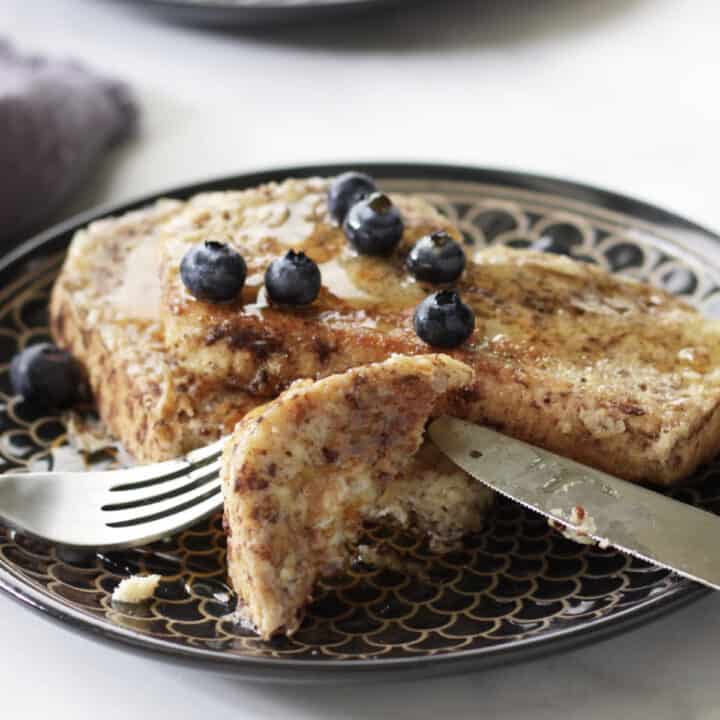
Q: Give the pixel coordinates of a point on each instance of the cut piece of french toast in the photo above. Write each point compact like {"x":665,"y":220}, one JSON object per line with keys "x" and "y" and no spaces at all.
{"x":600,"y":368}
{"x":301,"y":473}
{"x":105,"y":309}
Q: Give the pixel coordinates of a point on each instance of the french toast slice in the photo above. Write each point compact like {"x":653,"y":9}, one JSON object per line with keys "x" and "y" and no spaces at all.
{"x":105,"y":310}
{"x":602,"y":369}
{"x":301,"y":473}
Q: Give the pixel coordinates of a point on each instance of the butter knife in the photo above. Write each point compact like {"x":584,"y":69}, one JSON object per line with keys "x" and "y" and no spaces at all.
{"x":613,"y":512}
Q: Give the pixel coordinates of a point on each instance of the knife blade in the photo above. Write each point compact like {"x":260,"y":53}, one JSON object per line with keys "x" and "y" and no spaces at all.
{"x":613,"y":512}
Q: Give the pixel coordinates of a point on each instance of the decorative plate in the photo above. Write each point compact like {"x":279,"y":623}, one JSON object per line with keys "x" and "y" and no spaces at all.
{"x":245,"y":13}
{"x":516,"y":590}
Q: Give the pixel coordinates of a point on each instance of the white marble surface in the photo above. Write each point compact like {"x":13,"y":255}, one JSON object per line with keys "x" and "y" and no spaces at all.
{"x":620,"y":93}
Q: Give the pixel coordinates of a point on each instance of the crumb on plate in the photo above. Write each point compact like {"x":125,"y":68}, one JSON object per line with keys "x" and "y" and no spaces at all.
{"x":136,"y":589}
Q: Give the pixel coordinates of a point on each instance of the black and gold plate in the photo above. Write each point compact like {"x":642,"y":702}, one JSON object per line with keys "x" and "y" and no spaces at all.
{"x":514,"y":591}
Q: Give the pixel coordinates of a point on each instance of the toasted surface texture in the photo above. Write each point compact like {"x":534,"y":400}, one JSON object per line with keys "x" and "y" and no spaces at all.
{"x":105,"y":310}
{"x":605,"y":370}
{"x":602,"y":369}
{"x":301,"y":474}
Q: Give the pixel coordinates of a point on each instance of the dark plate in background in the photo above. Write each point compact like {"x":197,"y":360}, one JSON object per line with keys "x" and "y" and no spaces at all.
{"x":516,"y":590}
{"x":248,"y":13}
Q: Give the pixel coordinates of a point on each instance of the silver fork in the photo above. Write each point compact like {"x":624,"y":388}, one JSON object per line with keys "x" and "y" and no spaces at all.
{"x":114,"y":508}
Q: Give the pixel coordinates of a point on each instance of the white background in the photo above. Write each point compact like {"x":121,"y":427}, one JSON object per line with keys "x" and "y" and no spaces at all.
{"x":619,"y":93}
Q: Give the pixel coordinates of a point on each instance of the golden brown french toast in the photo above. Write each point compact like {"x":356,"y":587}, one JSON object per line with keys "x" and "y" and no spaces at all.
{"x":600,"y":368}
{"x":301,"y":473}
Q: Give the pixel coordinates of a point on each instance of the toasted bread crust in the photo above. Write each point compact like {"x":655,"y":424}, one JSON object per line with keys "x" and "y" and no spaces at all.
{"x":604,"y":434}
{"x":301,"y":473}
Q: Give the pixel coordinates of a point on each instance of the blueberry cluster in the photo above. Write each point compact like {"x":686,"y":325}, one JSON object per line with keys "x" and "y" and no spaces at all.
{"x":214,"y":272}
{"x":374,"y":226}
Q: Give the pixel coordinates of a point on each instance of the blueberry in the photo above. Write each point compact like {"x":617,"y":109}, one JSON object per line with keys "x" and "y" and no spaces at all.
{"x":436,"y":258}
{"x":213,"y":272}
{"x":293,"y":279}
{"x":374,"y":225}
{"x":444,"y":320}
{"x":46,"y":376}
{"x":345,"y":191}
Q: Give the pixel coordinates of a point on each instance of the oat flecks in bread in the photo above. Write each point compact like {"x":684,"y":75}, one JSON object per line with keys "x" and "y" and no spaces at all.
{"x":600,"y":368}
{"x":105,"y":310}
{"x":301,"y":474}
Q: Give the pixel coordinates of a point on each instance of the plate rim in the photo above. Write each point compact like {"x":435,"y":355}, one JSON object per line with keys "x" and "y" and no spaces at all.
{"x":226,"y":14}
{"x":272,"y":670}
{"x":242,"y":5}
{"x":328,"y":670}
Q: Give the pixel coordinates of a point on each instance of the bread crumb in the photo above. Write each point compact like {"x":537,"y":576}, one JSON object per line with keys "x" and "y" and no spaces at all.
{"x":136,"y":589}
{"x":88,"y":435}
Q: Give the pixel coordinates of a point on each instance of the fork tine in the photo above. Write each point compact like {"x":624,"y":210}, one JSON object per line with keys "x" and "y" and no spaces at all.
{"x":148,"y":475}
{"x":131,"y":491}
{"x":151,"y":530}
{"x":163,"y":508}
{"x":147,"y":502}
{"x":201,"y":454}
{"x":147,"y":496}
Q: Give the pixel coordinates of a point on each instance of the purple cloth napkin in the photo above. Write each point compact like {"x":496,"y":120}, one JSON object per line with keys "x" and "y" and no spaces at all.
{"x":57,"y":118}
